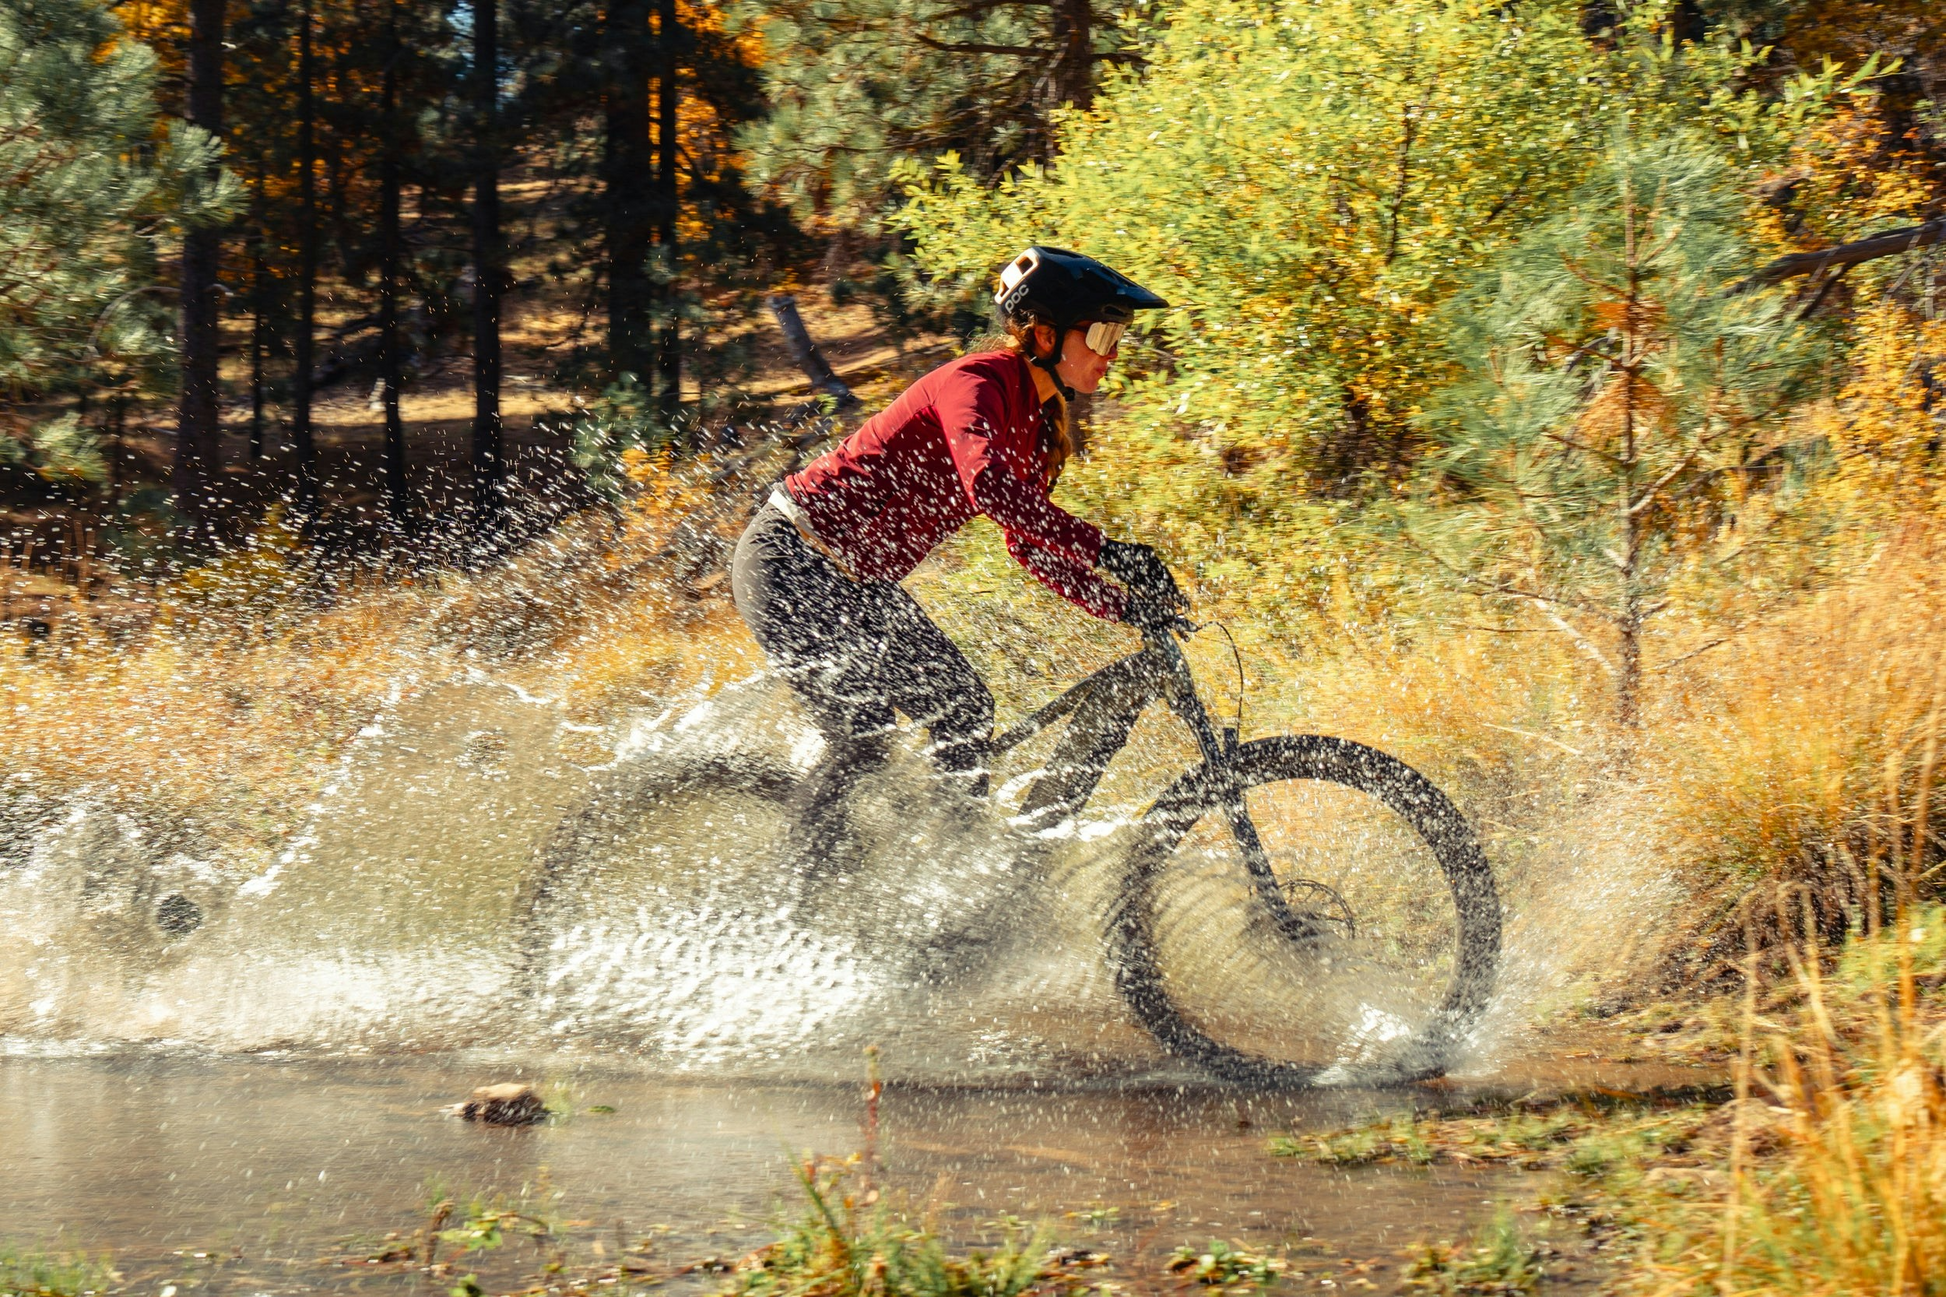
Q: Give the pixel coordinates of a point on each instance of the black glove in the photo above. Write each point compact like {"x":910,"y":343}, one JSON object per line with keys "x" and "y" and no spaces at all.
{"x":1149,"y":584}
{"x":1150,"y":617}
{"x":1139,"y":568}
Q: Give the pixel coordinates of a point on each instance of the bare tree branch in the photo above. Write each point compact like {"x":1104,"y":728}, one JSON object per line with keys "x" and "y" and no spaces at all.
{"x":1824,"y":286}
{"x":1539,"y":738}
{"x":1407,"y":131}
{"x":1695,"y":652}
{"x":1648,"y":497}
{"x":1482,"y":586}
{"x":969,"y":47}
{"x":1580,"y":641}
{"x":1888,"y":244}
{"x":1520,"y":184}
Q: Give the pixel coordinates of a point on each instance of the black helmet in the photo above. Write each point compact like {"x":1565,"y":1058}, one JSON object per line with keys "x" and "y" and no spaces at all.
{"x":1062,"y":288}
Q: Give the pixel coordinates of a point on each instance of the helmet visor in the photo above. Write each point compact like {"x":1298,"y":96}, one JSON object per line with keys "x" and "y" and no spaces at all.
{"x":1102,"y":336}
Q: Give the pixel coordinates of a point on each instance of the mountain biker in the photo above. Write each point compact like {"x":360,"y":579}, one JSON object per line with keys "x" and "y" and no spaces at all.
{"x":816,"y":574}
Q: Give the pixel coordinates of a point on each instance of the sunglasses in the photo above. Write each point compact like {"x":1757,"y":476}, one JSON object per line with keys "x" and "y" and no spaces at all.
{"x":1102,"y":336}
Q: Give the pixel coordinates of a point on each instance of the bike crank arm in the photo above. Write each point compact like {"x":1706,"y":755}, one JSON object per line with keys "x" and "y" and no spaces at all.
{"x":1219,"y":756}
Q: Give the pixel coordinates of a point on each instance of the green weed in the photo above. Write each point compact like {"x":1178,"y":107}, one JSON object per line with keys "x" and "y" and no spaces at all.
{"x":1570,"y":1136}
{"x":1395,"y":1139}
{"x":33,"y":1273}
{"x":1226,"y":1267}
{"x":851,"y":1244}
{"x":1500,"y":1260}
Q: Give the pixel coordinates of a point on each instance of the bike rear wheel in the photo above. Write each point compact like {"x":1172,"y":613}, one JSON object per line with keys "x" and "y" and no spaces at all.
{"x":1392,"y":961}
{"x":633,"y":891}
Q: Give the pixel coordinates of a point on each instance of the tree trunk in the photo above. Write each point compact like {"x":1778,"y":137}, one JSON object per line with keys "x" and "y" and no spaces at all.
{"x":629,"y":167}
{"x":489,"y":466}
{"x":804,"y":350}
{"x":397,"y":503}
{"x":259,"y":214}
{"x":1628,"y":560}
{"x":669,"y":357}
{"x":199,"y":429}
{"x":1599,"y":17}
{"x":1074,"y":68}
{"x":307,"y":270}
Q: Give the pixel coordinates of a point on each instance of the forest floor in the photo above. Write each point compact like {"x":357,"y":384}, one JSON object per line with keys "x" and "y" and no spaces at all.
{"x":55,"y":542}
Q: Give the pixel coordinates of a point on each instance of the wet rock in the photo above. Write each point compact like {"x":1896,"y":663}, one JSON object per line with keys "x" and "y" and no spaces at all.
{"x":485,"y":752}
{"x":1686,"y":1179}
{"x":509,"y":1104}
{"x":177,"y":915}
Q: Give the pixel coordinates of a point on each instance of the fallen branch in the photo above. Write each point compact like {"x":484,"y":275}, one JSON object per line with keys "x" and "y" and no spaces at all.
{"x":1844,"y":255}
{"x":806,"y":353}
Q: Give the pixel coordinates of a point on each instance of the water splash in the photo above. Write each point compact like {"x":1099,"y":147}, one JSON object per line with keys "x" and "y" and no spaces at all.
{"x":403,"y":913}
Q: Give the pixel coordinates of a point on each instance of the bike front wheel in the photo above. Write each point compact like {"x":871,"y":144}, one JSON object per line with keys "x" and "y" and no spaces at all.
{"x":1354,"y":941}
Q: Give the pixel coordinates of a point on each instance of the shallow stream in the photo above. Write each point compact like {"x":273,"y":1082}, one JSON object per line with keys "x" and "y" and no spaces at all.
{"x":227,"y":1069}
{"x":284,"y":1175}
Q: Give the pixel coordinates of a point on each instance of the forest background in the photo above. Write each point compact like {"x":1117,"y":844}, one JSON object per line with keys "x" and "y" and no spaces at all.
{"x":1595,"y":344}
{"x":1603,"y":334}
{"x":1552,"y":392}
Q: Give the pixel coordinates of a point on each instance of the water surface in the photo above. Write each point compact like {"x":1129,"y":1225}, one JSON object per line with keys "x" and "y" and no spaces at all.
{"x":287,"y":1173}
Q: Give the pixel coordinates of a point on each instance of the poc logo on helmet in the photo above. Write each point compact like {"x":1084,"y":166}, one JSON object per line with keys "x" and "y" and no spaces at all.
{"x":1064,"y":289}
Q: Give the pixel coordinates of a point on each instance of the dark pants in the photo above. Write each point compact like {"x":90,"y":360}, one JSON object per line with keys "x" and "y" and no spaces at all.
{"x":853,"y":651}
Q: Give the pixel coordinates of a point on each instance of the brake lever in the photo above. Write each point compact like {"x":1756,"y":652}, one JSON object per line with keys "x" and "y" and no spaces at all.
{"x":1179,"y":626}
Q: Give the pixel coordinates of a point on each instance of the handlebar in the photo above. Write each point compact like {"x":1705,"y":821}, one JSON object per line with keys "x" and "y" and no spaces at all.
{"x":1177,"y":627}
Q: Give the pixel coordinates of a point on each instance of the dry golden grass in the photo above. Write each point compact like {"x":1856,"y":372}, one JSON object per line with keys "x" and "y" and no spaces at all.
{"x":197,"y":721}
{"x":1793,"y":754}
{"x":1827,"y":1174}
{"x":228,"y":707}
{"x":1836,"y":1146}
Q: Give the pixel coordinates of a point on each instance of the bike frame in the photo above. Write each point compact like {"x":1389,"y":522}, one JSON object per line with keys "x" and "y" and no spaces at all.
{"x":1103,"y":709}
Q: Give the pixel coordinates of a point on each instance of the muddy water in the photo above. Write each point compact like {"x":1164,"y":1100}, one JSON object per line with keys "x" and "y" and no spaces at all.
{"x":208,"y":1052}
{"x":267,"y":1176}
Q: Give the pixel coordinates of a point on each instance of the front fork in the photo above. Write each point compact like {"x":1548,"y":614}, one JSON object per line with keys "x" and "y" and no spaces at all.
{"x":1220,"y":752}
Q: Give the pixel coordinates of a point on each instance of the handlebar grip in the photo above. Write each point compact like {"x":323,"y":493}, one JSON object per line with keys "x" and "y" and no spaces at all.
{"x":1177,"y":625}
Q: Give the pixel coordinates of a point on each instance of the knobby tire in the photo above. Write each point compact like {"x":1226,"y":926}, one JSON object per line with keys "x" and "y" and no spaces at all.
{"x":619,"y":802}
{"x":1140,"y":976}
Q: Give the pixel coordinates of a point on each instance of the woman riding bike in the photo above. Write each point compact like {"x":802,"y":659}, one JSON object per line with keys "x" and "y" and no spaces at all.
{"x":816,"y":574}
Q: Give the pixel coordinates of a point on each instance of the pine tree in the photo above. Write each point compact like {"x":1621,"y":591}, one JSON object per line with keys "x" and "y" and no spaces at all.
{"x":199,"y":425}
{"x":303,"y":437}
{"x":670,"y":40}
{"x":677,"y":242}
{"x":383,"y":226}
{"x":88,"y":185}
{"x":489,"y":456}
{"x":628,"y":183}
{"x":1617,"y":397}
{"x":856,"y":85}
{"x":262,"y":145}
{"x":390,"y":270}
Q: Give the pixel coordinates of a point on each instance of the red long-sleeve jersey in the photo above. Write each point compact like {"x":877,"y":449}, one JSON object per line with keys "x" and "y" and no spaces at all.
{"x":966,"y":439}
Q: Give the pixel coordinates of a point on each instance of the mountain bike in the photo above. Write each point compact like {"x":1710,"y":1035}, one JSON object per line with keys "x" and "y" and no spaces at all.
{"x":1289,"y":911}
